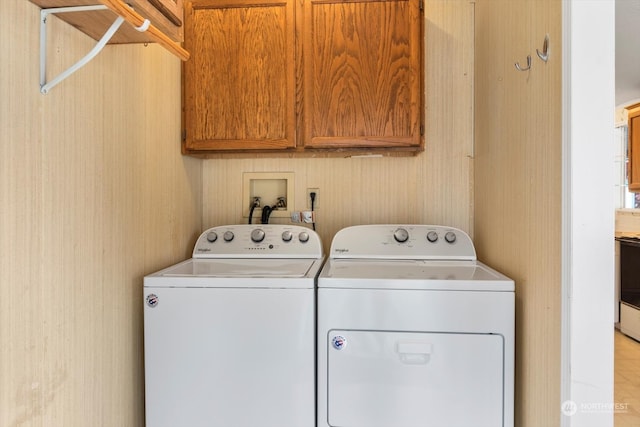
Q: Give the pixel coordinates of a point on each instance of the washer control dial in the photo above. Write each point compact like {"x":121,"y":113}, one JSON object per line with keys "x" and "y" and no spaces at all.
{"x":257,"y":235}
{"x":303,"y":237}
{"x":287,"y":235}
{"x":212,"y":236}
{"x":432,"y":236}
{"x":228,"y":236}
{"x":401,"y":235}
{"x":450,"y":237}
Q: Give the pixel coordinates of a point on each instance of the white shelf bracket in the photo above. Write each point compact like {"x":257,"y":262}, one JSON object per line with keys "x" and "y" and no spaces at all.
{"x":45,"y":86}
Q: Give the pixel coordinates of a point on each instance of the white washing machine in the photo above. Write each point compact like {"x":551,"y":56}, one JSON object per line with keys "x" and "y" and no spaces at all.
{"x":413,"y":331}
{"x":229,"y":334}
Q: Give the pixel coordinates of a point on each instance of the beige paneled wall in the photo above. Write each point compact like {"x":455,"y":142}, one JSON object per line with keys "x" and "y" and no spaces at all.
{"x":518,"y":186}
{"x":434,"y":187}
{"x":94,"y":194}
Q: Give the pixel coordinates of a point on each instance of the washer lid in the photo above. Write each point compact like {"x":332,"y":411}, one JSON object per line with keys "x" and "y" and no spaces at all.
{"x":412,"y":274}
{"x":242,"y":268}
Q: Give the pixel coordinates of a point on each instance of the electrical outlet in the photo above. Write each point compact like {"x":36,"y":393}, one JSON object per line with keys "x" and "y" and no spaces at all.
{"x":315,"y":203}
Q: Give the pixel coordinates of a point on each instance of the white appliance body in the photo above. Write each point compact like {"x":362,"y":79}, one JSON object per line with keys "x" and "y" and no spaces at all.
{"x":412,"y":332}
{"x":230,"y":334}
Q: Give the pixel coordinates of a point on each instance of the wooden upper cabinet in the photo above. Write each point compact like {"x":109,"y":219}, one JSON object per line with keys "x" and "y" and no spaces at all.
{"x":362,"y":74}
{"x":239,"y":85}
{"x":633,"y":147}
{"x":303,"y":76}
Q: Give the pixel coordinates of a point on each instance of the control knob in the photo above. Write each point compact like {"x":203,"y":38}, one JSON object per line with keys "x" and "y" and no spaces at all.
{"x":303,"y":237}
{"x":257,"y":235}
{"x":401,"y":235}
{"x":287,"y":236}
{"x":212,"y":236}
{"x":228,"y":236}
{"x":432,"y":236}
{"x":450,"y":237}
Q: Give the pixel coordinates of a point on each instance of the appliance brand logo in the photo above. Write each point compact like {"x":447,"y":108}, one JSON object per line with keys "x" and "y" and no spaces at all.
{"x":152,"y":300}
{"x":339,"y":342}
{"x":341,"y":250}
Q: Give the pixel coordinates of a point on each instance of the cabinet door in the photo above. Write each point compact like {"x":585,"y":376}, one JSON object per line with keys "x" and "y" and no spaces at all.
{"x":362,"y":73}
{"x":633,"y":167}
{"x":239,"y":85}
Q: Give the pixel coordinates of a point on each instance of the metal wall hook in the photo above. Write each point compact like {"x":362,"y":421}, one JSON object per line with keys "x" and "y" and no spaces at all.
{"x":519,"y":68}
{"x":544,"y":55}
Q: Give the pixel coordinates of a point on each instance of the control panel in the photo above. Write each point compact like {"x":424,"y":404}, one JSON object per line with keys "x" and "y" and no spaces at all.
{"x":258,"y":241}
{"x":428,"y":242}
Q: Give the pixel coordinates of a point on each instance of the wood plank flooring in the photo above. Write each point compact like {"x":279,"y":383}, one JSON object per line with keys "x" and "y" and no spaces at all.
{"x":627,"y":381}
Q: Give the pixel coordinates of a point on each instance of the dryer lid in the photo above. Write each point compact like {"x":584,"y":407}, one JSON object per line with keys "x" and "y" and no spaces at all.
{"x":412,"y":274}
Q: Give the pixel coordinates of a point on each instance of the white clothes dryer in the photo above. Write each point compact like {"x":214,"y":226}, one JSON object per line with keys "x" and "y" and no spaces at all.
{"x":230,"y":333}
{"x":413,"y":331}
